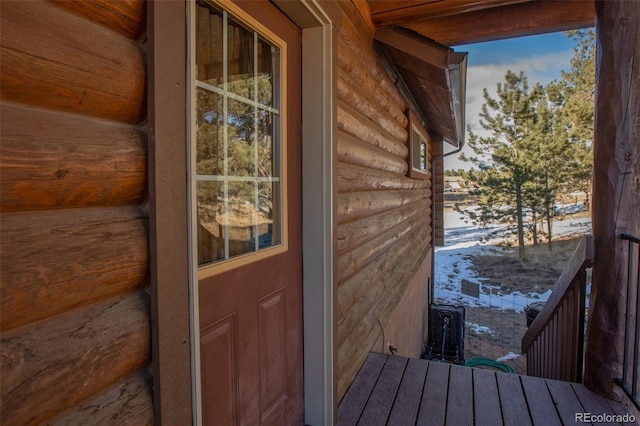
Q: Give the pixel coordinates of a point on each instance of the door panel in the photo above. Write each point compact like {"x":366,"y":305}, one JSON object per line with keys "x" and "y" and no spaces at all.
{"x":251,"y":313}
{"x":220,"y":371}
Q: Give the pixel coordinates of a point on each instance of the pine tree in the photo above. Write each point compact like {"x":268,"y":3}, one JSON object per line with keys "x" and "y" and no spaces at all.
{"x":551,"y":163}
{"x":505,"y":154}
{"x":575,"y":94}
{"x":539,"y":146}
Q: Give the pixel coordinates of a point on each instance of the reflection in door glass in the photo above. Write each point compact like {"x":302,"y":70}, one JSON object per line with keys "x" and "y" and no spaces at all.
{"x":238,"y":141}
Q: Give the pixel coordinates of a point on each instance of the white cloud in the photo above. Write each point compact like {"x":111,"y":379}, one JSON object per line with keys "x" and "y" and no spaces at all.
{"x":540,"y":69}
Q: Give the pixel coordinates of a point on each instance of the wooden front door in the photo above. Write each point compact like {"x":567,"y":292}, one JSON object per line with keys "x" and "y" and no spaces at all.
{"x":248,"y":216}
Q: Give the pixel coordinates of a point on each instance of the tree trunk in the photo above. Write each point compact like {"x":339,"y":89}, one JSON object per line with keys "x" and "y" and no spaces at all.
{"x":549,"y":201}
{"x":521,"y":249}
{"x":550,"y":226}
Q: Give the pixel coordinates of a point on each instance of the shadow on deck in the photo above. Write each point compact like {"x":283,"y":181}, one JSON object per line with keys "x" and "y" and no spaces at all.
{"x":392,"y":390}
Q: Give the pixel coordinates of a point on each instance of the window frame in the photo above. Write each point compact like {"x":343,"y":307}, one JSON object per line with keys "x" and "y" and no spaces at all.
{"x":414,"y":125}
{"x":280,"y":155}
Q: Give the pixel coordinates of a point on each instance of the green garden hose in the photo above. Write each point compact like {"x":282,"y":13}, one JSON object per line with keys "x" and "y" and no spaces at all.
{"x":476,"y":362}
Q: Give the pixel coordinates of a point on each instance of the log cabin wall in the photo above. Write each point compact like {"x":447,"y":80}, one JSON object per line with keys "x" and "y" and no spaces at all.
{"x":74,"y":317}
{"x":383,"y":216}
{"x":437,"y":164}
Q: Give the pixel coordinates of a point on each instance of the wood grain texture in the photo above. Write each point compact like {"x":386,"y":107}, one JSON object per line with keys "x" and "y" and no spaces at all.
{"x":437,"y":182}
{"x":382,"y":216}
{"x":355,"y":151}
{"x":51,"y":160}
{"x":54,"y":59}
{"x":616,"y":186}
{"x":351,"y":234}
{"x":128,"y":17}
{"x":351,"y":65}
{"x":50,"y":367}
{"x":56,"y":260}
{"x":128,"y":402}
{"x":362,"y":267}
{"x":358,"y":61}
{"x":351,"y":178}
{"x":359,"y":322}
{"x":353,"y":123}
{"x":362,"y":50}
{"x":351,"y":262}
{"x":358,"y":340}
{"x":355,"y":205}
{"x":397,"y":12}
{"x":368,"y":104}
{"x":353,"y":352}
{"x":356,"y":12}
{"x":527,"y":18}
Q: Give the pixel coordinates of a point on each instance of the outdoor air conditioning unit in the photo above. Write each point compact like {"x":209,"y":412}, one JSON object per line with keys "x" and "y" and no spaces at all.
{"x":445,"y":340}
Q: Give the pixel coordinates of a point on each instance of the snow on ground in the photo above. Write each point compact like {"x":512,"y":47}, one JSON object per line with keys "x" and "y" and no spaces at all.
{"x":477,"y":328}
{"x":507,"y":357}
{"x":463,"y":240}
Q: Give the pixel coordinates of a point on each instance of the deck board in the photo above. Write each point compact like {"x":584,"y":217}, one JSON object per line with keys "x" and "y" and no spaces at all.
{"x":391,"y":390}
{"x":592,"y":402}
{"x":460,"y":396}
{"x":407,"y":403}
{"x":434,"y":397}
{"x":514,"y":406}
{"x":542,"y":407}
{"x":356,"y":398}
{"x":384,"y":393}
{"x":618,"y":408}
{"x":567,"y":403}
{"x":486,"y":400}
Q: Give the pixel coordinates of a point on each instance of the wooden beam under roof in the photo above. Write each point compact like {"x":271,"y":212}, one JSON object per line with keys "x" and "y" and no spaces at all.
{"x":385,"y":13}
{"x":510,"y":21}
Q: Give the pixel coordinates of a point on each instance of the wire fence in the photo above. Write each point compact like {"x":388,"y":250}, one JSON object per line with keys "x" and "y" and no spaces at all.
{"x":494,"y":322}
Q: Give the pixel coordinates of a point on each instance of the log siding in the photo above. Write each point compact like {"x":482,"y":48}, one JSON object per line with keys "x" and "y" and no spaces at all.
{"x":383,"y":232}
{"x":76,"y":338}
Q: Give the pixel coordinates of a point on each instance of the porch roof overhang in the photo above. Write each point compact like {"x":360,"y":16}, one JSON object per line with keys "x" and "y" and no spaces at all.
{"x":455,"y":22}
{"x":415,"y":35}
{"x":434,"y":75}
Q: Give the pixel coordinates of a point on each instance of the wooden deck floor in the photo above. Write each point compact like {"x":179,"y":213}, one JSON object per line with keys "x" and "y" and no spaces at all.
{"x":392,"y":390}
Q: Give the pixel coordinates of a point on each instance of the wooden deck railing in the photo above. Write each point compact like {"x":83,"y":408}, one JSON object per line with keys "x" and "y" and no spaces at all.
{"x":630,"y":381}
{"x":554,"y":343}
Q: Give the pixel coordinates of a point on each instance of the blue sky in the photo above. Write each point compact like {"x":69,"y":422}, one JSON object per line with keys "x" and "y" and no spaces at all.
{"x":505,"y":51}
{"x":541,"y":58}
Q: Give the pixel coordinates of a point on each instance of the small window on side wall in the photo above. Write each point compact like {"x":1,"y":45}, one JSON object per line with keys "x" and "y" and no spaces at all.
{"x":418,"y":144}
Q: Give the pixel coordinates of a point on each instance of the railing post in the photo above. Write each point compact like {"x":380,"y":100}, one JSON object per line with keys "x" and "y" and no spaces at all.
{"x":632,"y":288}
{"x":582,"y":290}
{"x":634,"y":392}
{"x":627,"y":323}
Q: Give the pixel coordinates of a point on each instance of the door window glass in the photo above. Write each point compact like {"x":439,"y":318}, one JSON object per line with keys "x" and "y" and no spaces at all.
{"x":238,"y":138}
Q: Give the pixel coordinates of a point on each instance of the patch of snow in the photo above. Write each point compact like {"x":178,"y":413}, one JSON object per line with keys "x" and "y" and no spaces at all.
{"x":560,"y":209}
{"x":464,"y":240}
{"x":477,"y":328}
{"x":508,"y":356}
